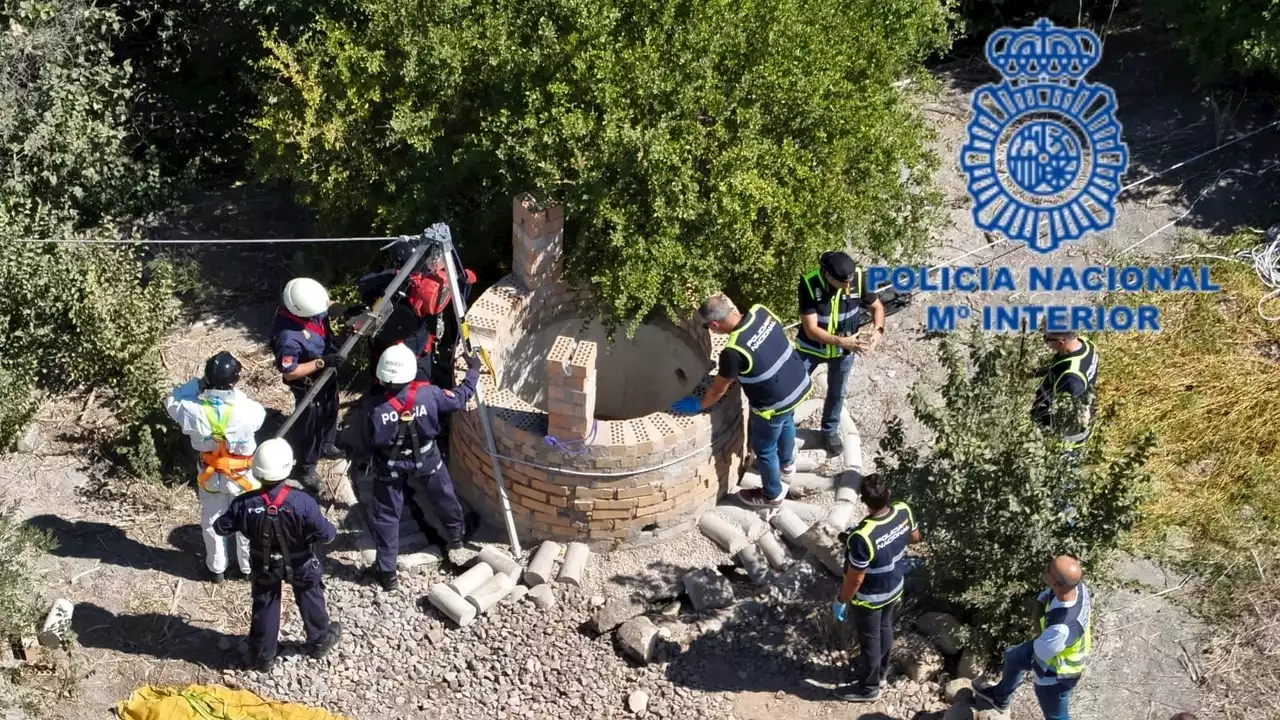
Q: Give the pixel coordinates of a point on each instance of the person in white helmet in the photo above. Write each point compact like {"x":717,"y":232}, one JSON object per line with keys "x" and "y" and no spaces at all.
{"x":220,"y":422}
{"x":397,"y":426}
{"x":304,"y":345}
{"x":283,"y":527}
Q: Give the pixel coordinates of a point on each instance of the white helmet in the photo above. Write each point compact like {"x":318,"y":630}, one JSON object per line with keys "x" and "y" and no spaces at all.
{"x":398,"y":365}
{"x":305,"y":297}
{"x":273,"y":461}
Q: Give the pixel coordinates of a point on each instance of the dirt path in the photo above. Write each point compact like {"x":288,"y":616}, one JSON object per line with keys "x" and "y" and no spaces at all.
{"x":129,"y":558}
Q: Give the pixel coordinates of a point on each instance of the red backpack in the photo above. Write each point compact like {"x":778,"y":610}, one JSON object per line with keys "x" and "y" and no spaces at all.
{"x":429,"y":293}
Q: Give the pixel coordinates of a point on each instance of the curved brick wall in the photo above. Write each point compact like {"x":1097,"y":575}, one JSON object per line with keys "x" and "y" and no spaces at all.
{"x":636,"y":480}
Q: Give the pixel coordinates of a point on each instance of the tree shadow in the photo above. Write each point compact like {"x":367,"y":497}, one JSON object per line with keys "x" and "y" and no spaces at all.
{"x":157,"y":635}
{"x":111,"y":545}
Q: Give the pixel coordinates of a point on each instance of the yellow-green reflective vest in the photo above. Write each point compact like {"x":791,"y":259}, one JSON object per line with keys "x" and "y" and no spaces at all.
{"x":837,"y":311}
{"x":773,"y":378}
{"x":1078,"y":619}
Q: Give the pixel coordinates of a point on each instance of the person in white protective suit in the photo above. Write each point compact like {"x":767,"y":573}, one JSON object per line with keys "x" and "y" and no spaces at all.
{"x":221,"y":422}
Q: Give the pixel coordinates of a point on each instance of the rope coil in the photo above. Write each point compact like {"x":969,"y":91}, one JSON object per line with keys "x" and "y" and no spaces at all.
{"x":563,"y":446}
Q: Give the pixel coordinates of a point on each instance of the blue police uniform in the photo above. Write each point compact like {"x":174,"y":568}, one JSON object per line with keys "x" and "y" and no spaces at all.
{"x":282,"y":547}
{"x":295,"y":341}
{"x":399,"y":432}
{"x":877,"y":547}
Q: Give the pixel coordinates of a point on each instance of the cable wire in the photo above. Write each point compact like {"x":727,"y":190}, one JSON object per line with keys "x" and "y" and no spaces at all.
{"x":198,"y":241}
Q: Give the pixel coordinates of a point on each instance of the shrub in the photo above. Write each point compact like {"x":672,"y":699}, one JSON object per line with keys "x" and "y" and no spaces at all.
{"x":1223,"y":40}
{"x":19,"y":544}
{"x":994,"y":494}
{"x":695,"y":145}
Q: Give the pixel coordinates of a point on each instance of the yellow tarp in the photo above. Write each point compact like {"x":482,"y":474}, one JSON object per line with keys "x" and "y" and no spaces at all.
{"x":210,"y":702}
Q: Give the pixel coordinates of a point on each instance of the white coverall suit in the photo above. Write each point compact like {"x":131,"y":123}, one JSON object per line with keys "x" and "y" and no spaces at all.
{"x":196,"y":413}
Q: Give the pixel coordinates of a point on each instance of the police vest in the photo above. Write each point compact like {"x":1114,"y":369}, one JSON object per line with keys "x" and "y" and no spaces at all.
{"x":837,"y":313}
{"x":1071,"y":661}
{"x":399,"y":436}
{"x":234,"y":468}
{"x":773,"y":379}
{"x":1082,"y":365}
{"x":887,"y":538}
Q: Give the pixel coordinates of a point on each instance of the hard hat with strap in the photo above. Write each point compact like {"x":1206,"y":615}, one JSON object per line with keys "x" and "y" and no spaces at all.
{"x":230,"y":466}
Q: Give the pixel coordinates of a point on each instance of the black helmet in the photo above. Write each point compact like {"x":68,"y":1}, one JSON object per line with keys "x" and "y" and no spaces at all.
{"x":221,"y":371}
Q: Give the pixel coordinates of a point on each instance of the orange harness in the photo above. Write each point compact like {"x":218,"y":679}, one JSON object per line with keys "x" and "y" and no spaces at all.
{"x":233,"y":467}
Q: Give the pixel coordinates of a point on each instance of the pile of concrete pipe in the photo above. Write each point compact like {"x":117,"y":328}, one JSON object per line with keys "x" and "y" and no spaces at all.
{"x":496,"y":576}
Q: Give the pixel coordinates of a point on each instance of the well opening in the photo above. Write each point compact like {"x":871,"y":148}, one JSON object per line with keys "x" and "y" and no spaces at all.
{"x":637,"y":375}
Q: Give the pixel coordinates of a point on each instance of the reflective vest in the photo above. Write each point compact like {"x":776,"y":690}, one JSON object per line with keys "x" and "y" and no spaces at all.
{"x":219,"y":461}
{"x":887,"y":538}
{"x":1071,"y":661}
{"x":774,"y":379}
{"x":1083,"y":365}
{"x":837,"y":312}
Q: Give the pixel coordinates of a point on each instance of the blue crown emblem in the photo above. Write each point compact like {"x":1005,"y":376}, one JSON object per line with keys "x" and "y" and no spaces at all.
{"x":1043,"y":158}
{"x":1043,"y":51}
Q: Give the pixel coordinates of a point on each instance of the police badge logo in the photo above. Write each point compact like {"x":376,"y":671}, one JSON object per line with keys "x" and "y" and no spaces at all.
{"x":1043,"y":158}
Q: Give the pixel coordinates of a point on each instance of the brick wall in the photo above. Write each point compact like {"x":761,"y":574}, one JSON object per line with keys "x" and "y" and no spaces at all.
{"x":638,"y":481}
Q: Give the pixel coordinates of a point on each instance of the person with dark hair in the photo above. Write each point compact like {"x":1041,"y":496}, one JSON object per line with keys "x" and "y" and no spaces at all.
{"x":759,"y":357}
{"x":832,"y":298}
{"x":221,"y":422}
{"x":1073,"y":371}
{"x":874,"y":575}
{"x":1059,"y":654}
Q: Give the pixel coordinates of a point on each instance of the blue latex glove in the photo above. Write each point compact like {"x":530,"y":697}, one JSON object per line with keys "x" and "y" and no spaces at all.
{"x":687,"y":405}
{"x":839,"y":610}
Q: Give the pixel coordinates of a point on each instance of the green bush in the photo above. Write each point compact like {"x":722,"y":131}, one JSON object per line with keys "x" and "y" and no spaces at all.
{"x":696,"y":145}
{"x":72,"y":314}
{"x":19,"y":545}
{"x":993,"y":494}
{"x":1223,"y":40}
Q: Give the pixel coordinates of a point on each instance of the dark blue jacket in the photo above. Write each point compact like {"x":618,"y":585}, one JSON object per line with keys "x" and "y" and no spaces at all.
{"x":294,"y":343}
{"x":301,"y":524}
{"x":378,"y":427}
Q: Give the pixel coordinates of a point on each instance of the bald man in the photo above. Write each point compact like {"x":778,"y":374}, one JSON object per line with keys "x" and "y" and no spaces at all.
{"x":1058,"y":655}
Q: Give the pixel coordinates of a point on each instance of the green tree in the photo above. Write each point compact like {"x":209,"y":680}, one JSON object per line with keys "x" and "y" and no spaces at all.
{"x":696,"y":145}
{"x":1224,"y":40}
{"x":72,"y":314}
{"x":996,"y":497}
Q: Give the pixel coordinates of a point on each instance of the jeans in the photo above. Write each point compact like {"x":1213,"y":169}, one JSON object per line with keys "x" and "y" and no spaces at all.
{"x":773,"y":442}
{"x":838,"y":370}
{"x":875,"y":640}
{"x":1052,"y":698}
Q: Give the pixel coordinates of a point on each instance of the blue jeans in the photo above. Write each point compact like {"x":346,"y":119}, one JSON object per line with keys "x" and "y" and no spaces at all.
{"x":773,"y":442}
{"x":838,"y":370}
{"x":1052,"y":698}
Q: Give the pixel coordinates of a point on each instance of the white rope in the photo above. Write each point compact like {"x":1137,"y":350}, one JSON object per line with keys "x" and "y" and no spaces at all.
{"x":1210,"y":151}
{"x":1265,"y":261}
{"x":199,"y":241}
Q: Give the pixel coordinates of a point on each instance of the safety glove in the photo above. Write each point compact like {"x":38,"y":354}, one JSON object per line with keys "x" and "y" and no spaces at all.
{"x":839,"y":610}
{"x":330,"y":360}
{"x":688,"y":405}
{"x":473,"y":360}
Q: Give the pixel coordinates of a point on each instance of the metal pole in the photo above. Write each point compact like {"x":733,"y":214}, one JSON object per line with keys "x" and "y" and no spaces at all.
{"x":442,"y":235}
{"x":376,"y":321}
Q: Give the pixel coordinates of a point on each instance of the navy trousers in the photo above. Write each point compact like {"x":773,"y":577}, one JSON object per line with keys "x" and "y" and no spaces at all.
{"x":389,"y":496}
{"x":317,"y":426}
{"x":308,"y":591}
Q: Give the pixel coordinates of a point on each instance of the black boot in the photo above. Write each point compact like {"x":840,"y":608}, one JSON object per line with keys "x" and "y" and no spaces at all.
{"x":327,"y":641}
{"x":834,"y":444}
{"x":266,"y":664}
{"x":388,"y":581}
{"x":453,"y":554}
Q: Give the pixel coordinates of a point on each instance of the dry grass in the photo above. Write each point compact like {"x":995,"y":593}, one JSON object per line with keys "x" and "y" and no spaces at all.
{"x":1208,"y":384}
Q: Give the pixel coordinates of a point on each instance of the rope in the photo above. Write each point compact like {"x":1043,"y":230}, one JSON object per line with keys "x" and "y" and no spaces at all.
{"x":199,"y":241}
{"x":1265,"y":261}
{"x":563,"y":446}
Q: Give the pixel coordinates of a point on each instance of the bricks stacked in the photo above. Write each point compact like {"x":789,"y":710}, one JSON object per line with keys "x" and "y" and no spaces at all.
{"x":571,"y":389}
{"x":537,"y":239}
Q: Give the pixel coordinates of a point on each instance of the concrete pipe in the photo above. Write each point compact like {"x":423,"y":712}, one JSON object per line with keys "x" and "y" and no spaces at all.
{"x":451,"y":604}
{"x":638,"y":638}
{"x":841,"y":516}
{"x":488,"y":595}
{"x":848,"y":483}
{"x":542,"y":564}
{"x":722,"y":532}
{"x":750,"y":560}
{"x":790,"y":525}
{"x":543,"y":596}
{"x":575,"y":562}
{"x":499,"y":560}
{"x":774,"y":552}
{"x":471,"y":580}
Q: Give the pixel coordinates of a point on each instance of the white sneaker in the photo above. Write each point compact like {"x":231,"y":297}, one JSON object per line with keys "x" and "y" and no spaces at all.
{"x":789,"y":471}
